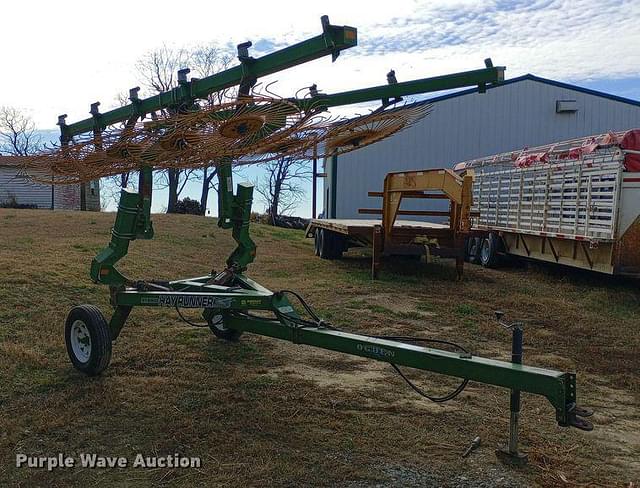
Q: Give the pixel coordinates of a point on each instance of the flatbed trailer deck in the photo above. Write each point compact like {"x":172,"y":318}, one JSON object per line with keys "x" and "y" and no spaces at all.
{"x":410,"y":238}
{"x":390,"y":236}
{"x":361,"y":230}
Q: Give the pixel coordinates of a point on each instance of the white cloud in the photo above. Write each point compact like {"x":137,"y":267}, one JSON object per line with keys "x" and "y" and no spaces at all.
{"x":58,"y":57}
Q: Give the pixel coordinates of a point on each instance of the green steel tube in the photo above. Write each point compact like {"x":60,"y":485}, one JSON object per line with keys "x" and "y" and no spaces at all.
{"x":225,"y":195}
{"x":123,"y":232}
{"x":557,"y":387}
{"x":333,"y":40}
{"x":245,"y":253}
{"x":413,"y":87}
{"x":133,"y":220}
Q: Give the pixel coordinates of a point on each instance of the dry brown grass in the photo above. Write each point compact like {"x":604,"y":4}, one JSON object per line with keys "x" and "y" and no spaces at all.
{"x":262,"y":412}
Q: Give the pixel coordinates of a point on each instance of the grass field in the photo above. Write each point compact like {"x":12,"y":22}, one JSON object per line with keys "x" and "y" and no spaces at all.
{"x":262,"y":412}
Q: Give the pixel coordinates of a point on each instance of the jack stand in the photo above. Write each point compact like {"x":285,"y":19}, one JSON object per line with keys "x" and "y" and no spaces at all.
{"x":509,"y":454}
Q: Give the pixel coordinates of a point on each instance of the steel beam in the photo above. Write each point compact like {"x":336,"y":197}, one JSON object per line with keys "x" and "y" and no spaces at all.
{"x":557,"y":387}
{"x":479,"y":77}
{"x":333,"y":40}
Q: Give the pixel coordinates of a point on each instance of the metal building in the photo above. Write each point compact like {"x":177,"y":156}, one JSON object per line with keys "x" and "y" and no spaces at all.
{"x":521,"y":112}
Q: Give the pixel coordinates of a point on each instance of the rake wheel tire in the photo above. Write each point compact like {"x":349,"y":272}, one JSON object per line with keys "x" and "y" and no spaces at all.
{"x":88,"y":339}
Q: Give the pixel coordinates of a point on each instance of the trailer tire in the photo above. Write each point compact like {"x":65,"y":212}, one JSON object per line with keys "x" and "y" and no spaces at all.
{"x":331,"y":244}
{"x":474,"y":249}
{"x":466,"y":248}
{"x":88,"y":339}
{"x":488,"y":251}
{"x":216,"y":324}
{"x":338,"y":242}
{"x":316,"y":242}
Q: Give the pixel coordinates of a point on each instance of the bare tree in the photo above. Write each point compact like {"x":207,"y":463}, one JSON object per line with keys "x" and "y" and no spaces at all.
{"x":18,"y":136}
{"x":207,"y":60}
{"x":209,"y":182}
{"x":280,"y":188}
{"x":174,"y":180}
{"x":110,"y":186}
{"x":158,"y":69}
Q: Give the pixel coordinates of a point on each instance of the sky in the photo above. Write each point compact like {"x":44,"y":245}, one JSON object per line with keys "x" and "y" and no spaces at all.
{"x":59,"y":57}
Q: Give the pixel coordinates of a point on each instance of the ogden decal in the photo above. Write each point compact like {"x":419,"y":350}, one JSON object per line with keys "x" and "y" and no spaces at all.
{"x":376,"y":351}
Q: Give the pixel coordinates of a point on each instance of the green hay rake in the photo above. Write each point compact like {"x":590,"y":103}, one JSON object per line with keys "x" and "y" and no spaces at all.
{"x":232,"y":303}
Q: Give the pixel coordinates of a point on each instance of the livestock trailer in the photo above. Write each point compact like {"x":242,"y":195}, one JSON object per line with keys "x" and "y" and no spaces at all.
{"x":574,"y":202}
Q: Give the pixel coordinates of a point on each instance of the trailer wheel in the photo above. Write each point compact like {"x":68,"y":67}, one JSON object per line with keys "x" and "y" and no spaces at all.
{"x":466,"y":248}
{"x":331,"y":244}
{"x":489,"y":251}
{"x":338,"y":244}
{"x":88,"y":339}
{"x":474,"y":249}
{"x":326,"y":244}
{"x":216,"y":324}
{"x":316,"y":242}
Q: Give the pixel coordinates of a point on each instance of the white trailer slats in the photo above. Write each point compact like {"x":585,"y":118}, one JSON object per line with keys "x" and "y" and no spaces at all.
{"x":577,"y":190}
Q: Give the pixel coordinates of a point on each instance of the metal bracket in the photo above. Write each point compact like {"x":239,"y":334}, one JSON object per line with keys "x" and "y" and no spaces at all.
{"x":182,"y":76}
{"x":248,"y":79}
{"x":62,"y":123}
{"x":97,"y":116}
{"x":136,"y":103}
{"x":391,"y":80}
{"x":326,"y":27}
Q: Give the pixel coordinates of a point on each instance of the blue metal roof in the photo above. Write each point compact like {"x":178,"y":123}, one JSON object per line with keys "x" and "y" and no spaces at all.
{"x":539,"y":79}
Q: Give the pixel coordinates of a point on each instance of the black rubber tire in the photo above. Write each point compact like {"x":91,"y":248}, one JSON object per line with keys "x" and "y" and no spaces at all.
{"x":338,"y":245}
{"x":466,"y":248}
{"x":488,"y":251}
{"x":100,"y":339}
{"x":332,"y":244}
{"x":474,"y":249}
{"x":216,"y":325}
{"x":316,"y":242}
{"x":320,"y":242}
{"x":326,"y":244}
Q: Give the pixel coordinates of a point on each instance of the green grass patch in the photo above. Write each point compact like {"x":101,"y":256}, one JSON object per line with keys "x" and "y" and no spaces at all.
{"x":465,"y":310}
{"x":287,"y":234}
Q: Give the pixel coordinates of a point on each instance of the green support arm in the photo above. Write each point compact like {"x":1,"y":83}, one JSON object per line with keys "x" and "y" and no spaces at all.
{"x":133,"y":221}
{"x":234,"y":212}
{"x":333,"y":40}
{"x":479,"y":77}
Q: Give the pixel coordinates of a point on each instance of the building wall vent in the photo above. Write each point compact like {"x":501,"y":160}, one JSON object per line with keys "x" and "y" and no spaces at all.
{"x":566,"y":106}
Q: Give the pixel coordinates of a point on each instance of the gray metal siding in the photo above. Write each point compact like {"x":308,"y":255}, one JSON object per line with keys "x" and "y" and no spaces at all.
{"x":471,"y":126}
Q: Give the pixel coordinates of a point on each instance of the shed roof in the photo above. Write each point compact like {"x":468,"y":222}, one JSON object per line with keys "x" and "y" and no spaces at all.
{"x":539,"y":79}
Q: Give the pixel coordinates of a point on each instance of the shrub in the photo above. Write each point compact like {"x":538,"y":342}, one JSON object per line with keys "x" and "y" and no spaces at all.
{"x":188,"y":206}
{"x":13,"y":203}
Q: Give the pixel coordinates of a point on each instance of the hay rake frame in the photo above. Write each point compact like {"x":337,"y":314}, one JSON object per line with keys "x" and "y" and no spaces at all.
{"x":228,"y":298}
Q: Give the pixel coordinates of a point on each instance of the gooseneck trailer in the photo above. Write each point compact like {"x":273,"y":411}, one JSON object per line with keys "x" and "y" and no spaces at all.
{"x":232,"y":303}
{"x":393,"y":236}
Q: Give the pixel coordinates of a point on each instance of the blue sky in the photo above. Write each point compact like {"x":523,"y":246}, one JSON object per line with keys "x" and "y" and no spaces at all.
{"x":591,"y":43}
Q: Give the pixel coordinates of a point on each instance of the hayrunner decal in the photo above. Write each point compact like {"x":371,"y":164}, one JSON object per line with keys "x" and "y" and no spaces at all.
{"x":194,"y":301}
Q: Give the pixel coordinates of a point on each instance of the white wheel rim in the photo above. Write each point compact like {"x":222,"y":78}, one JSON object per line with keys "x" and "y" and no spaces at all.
{"x":80,"y":341}
{"x":484,"y":250}
{"x":218,"y":323}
